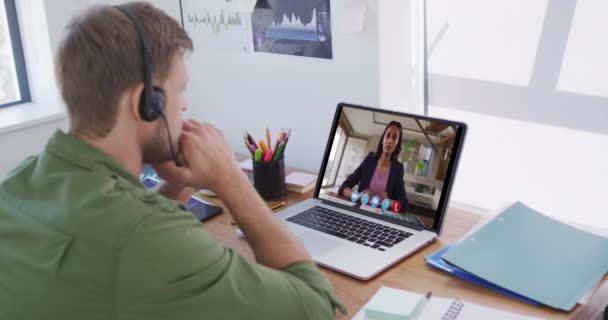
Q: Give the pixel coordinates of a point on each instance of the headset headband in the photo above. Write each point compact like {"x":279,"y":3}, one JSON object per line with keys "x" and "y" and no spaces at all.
{"x":146,"y":53}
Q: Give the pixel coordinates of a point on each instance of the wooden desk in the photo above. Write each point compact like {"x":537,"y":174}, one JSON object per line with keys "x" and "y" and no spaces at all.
{"x":410,"y":274}
{"x":597,"y":303}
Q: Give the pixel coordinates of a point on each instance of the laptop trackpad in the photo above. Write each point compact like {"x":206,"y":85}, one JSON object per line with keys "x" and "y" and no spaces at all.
{"x":318,"y":245}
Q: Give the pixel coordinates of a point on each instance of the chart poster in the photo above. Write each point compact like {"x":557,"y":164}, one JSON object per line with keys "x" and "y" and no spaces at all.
{"x":293,"y":27}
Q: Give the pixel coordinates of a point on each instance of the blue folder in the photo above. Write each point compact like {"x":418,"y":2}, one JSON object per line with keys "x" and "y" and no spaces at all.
{"x":434,"y":260}
{"x":525,"y":251}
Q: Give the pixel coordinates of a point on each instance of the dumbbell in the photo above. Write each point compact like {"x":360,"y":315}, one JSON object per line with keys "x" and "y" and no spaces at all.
{"x":375,"y":201}
{"x":386,"y":203}
{"x":364,"y":199}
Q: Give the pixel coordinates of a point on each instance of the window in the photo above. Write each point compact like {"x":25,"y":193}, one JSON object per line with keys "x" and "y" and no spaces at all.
{"x":13,"y":76}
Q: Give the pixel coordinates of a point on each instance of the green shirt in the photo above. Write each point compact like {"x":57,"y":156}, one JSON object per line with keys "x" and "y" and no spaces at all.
{"x":80,"y":238}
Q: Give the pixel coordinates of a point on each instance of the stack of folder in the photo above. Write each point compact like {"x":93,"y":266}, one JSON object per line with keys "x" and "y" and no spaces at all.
{"x":437,"y":262}
{"x":529,"y":256}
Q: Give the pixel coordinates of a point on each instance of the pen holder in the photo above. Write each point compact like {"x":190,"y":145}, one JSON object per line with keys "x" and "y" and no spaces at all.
{"x":269,"y":179}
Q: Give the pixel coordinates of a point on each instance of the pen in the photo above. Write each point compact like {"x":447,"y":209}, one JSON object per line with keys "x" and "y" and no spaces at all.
{"x":251,"y":141}
{"x":248,"y":146}
{"x":263,"y":146}
{"x":285,"y":143}
{"x":258,"y":154}
{"x":287,"y":137}
{"x":268,"y":140}
{"x":277,"y":205}
{"x":276,"y":146}
{"x":421,"y":305}
{"x":277,"y":154}
{"x":268,"y":156}
{"x":279,"y":139}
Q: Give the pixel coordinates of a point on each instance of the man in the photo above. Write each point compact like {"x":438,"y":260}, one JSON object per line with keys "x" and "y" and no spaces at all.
{"x":80,"y":238}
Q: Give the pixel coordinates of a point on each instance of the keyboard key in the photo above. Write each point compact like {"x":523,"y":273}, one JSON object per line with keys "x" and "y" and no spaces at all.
{"x":385,"y":244}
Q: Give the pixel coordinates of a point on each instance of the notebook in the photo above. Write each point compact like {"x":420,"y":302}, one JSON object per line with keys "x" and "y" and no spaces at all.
{"x":300,"y":182}
{"x":438,"y":308}
{"x":526,"y":252}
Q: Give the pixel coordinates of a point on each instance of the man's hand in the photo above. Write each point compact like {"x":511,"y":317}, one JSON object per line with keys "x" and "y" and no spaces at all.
{"x":209,"y":162}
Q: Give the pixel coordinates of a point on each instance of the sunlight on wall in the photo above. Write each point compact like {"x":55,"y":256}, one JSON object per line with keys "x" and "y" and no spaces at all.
{"x":493,"y":41}
{"x":584,"y":69}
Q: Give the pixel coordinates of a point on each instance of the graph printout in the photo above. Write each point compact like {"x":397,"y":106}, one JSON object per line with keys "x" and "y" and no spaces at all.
{"x":218,"y":24}
{"x":293,"y":27}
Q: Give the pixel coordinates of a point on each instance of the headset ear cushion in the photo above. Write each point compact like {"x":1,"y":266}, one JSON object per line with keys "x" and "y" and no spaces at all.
{"x":156,"y":106}
{"x":158,"y":101}
{"x":153,"y":110}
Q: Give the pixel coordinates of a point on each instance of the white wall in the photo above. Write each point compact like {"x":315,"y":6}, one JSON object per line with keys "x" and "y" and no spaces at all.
{"x":531,"y":80}
{"x":22,"y":143}
{"x":36,"y":17}
{"x":249,"y":91}
{"x":60,"y":12}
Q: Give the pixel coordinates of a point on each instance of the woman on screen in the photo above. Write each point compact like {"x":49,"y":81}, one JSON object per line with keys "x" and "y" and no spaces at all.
{"x":380,"y":173}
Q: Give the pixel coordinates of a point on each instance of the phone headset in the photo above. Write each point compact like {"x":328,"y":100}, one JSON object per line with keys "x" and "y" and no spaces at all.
{"x":152,"y":101}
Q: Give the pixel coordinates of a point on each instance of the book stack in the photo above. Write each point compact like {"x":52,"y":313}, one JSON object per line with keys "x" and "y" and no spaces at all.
{"x":300,"y":182}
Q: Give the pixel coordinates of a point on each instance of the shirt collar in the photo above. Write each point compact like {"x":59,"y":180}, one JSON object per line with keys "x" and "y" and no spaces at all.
{"x":76,"y":151}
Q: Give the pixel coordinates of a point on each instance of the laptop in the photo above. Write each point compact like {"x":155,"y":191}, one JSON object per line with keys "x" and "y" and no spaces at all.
{"x":363,"y":235}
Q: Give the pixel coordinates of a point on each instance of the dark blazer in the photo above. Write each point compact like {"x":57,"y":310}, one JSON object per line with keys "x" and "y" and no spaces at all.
{"x":395,"y":187}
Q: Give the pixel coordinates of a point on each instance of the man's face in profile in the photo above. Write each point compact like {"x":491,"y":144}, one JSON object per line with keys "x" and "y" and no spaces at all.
{"x":157,"y":148}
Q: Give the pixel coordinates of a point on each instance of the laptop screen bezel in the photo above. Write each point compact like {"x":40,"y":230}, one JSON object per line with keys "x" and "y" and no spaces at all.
{"x":448,"y":182}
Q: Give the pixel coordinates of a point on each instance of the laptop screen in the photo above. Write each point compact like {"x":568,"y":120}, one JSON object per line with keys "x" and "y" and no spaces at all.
{"x":394,"y":166}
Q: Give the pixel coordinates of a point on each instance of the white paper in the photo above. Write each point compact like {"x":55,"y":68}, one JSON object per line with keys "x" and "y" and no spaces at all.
{"x":352,"y":18}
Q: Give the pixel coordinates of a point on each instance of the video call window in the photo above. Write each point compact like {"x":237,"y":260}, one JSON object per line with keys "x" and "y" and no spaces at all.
{"x":398,"y":163}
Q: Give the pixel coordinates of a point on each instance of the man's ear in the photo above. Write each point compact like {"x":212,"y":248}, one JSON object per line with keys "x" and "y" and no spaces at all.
{"x":133,"y":100}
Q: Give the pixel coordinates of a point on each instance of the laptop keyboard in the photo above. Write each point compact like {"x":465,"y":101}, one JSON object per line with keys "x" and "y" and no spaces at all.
{"x":357,"y":230}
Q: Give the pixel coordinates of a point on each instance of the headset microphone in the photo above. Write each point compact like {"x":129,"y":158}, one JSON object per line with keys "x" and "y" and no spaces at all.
{"x":176,"y":159}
